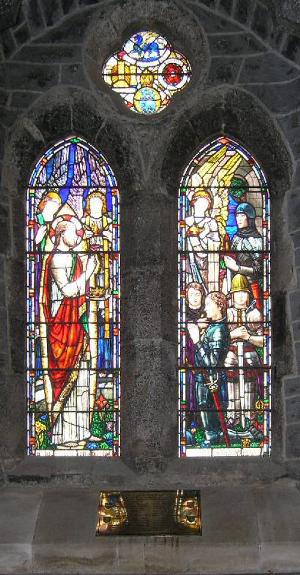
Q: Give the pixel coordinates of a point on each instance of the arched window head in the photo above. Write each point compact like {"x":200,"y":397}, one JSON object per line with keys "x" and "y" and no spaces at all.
{"x":224,"y":304}
{"x":147,"y":72}
{"x":73,"y":303}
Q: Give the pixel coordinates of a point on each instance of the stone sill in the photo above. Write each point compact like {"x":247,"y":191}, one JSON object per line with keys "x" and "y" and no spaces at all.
{"x":245,"y":530}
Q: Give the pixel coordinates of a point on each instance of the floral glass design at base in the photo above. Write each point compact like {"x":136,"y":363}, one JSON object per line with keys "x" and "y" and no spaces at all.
{"x":147,"y":72}
{"x":149,"y":513}
{"x":224,"y":319}
{"x":73,"y":304}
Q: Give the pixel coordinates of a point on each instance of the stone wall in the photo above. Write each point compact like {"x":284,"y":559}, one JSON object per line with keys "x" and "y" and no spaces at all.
{"x":245,"y":58}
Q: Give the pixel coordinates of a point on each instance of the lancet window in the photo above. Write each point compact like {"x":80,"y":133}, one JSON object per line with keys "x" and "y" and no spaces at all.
{"x":224,"y":322}
{"x":73,"y":303}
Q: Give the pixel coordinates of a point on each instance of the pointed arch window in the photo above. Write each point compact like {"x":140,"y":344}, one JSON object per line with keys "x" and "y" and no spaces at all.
{"x":224,"y":322}
{"x":73,"y":315}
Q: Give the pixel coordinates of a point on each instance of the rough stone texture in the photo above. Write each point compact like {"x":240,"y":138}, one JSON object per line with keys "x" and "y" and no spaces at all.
{"x":246,"y":80}
{"x":49,"y":54}
{"x":292,"y":48}
{"x":22,"y":34}
{"x":239,"y":44}
{"x":33,"y":76}
{"x":262,"y":21}
{"x":242,"y":11}
{"x":265,"y":69}
{"x":291,"y":10}
{"x":224,"y":71}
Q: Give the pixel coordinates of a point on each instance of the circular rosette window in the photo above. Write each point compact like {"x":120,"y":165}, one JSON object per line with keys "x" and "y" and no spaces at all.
{"x":147,"y":72}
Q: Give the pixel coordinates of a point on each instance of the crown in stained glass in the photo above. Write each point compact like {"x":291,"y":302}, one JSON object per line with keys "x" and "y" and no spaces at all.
{"x":147,"y":72}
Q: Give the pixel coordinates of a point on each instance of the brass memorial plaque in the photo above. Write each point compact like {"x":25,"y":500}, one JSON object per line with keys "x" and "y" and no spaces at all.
{"x":149,"y":513}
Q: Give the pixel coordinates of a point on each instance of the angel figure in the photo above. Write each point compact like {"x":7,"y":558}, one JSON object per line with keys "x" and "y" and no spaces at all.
{"x":203,"y":238}
{"x":206,"y":227}
{"x":98,"y":239}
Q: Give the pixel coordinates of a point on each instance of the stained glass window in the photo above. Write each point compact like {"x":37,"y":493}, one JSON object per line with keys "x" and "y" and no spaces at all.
{"x":224,"y":304}
{"x":147,"y":72}
{"x":73,"y":296}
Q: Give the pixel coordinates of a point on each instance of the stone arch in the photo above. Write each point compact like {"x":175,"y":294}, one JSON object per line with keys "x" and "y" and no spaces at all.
{"x":57,"y":115}
{"x":222,"y":112}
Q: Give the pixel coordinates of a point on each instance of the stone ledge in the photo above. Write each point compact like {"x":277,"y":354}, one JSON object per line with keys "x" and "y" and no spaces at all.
{"x":245,"y":530}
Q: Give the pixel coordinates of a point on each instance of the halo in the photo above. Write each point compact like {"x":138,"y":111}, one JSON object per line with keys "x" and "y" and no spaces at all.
{"x":67,"y":218}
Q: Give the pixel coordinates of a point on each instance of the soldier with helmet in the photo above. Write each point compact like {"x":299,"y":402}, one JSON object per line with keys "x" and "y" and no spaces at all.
{"x":247,"y":249}
{"x":242,"y":360}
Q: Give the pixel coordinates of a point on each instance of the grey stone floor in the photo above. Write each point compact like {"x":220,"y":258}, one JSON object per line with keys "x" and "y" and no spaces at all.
{"x":245,"y":530}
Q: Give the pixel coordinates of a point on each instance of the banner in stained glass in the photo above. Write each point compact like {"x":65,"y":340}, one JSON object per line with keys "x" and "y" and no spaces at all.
{"x":224,"y":319}
{"x":73,"y":303}
{"x":147,"y":72}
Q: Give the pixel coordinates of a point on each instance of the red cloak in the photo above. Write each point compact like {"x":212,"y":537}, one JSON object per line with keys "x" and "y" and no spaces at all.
{"x":65,"y":330}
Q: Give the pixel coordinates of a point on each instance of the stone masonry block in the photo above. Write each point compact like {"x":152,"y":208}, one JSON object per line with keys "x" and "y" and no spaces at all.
{"x":225,"y":6}
{"x":74,"y":74}
{"x":68,"y":31}
{"x":224,"y":70}
{"x":292,"y":386}
{"x":68,"y":6}
{"x":294,"y":298}
{"x":23,"y":99}
{"x":279,"y":98}
{"x":4,"y":229}
{"x":278,"y":513}
{"x":291,"y":49}
{"x":235,"y":44}
{"x":262,"y":21}
{"x":293,"y":201}
{"x":57,"y":504}
{"x":22,"y":34}
{"x":297,"y":350}
{"x":213,"y":23}
{"x":296,"y":330}
{"x":297,"y":258}
{"x":12,"y":530}
{"x":52,"y":11}
{"x":291,"y":10}
{"x":142,"y":297}
{"x":33,"y":76}
{"x":8,"y":43}
{"x":293,"y":441}
{"x":49,"y":54}
{"x":4,"y":335}
{"x":7,"y":117}
{"x":242,"y":11}
{"x":276,"y":38}
{"x":292,"y":409}
{"x":295,"y":237}
{"x":291,"y":127}
{"x":15,"y":558}
{"x":3,"y":97}
{"x":34,"y":16}
{"x":266,"y":68}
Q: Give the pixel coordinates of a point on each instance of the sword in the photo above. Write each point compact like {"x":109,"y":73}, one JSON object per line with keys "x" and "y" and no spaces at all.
{"x":214,"y":390}
{"x":240,"y":348}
